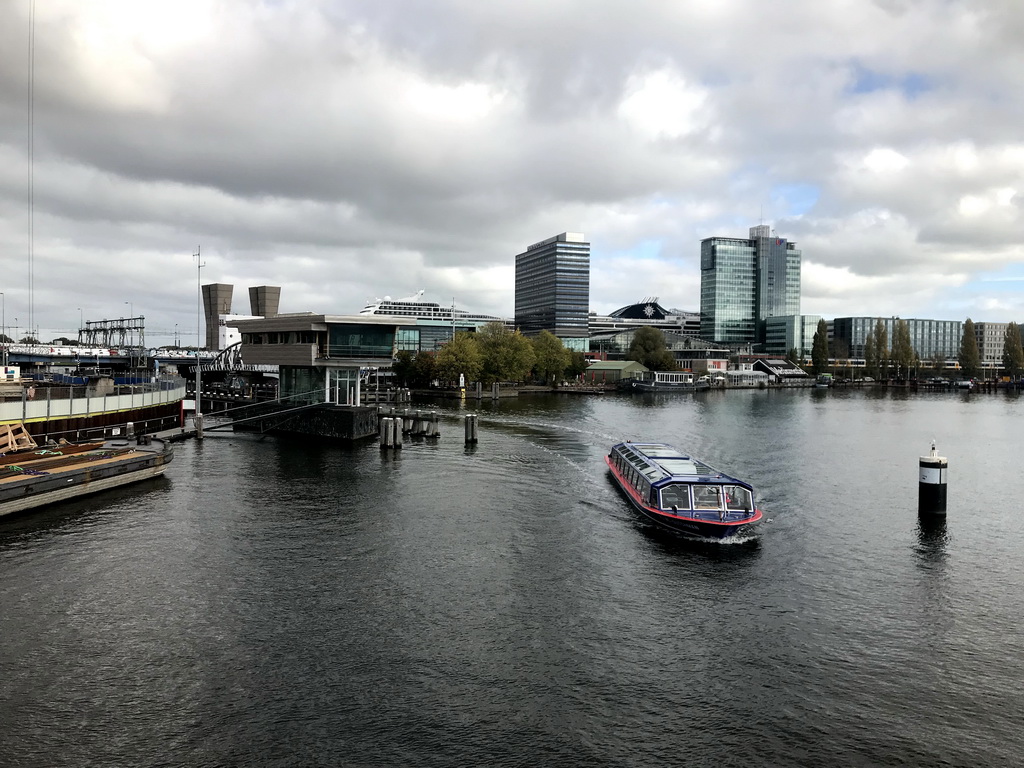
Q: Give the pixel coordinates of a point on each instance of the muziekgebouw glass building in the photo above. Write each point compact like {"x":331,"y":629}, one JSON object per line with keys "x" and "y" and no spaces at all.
{"x":553,"y":289}
{"x":744,"y":282}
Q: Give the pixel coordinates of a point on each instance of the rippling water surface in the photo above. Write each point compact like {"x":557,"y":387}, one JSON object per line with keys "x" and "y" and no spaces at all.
{"x":274,"y":602}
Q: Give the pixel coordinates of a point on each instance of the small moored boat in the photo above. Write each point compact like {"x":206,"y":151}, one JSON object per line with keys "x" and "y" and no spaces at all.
{"x":682,"y":493}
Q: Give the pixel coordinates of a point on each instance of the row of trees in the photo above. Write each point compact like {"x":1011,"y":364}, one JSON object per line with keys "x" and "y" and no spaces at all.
{"x":882,"y":359}
{"x":493,"y":353}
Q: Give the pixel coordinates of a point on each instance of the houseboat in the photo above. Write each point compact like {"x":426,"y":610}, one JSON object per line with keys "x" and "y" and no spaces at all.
{"x":682,"y":493}
{"x":665,"y":381}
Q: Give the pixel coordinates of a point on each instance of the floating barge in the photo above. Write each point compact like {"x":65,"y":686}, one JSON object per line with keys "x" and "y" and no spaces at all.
{"x":33,"y":476}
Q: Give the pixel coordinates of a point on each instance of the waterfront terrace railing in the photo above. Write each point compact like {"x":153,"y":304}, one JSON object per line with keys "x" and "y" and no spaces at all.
{"x":44,"y":400}
{"x":359,"y":351}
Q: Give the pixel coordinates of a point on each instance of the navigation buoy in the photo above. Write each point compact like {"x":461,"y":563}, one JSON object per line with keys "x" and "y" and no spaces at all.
{"x":931,"y":488}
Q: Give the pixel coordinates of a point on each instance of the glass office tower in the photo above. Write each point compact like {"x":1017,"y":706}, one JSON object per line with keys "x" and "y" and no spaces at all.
{"x":553,"y":289}
{"x":744,"y":282}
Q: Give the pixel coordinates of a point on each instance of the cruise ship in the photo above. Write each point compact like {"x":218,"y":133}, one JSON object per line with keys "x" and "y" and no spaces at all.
{"x":414,"y":306}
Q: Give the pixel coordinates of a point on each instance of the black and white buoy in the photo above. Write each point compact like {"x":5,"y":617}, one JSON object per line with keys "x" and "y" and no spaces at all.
{"x":931,"y":489}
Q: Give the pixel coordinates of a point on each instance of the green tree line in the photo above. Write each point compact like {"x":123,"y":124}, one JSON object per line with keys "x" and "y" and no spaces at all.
{"x":493,"y":353}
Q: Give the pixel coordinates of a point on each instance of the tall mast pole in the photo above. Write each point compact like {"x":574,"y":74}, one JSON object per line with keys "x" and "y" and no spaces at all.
{"x":199,"y":333}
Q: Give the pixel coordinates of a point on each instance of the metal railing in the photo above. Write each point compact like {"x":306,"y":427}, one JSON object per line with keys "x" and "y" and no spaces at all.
{"x":51,"y":400}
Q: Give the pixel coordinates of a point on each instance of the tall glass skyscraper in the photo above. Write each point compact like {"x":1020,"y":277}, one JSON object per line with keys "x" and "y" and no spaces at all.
{"x":744,"y":282}
{"x":553,"y":289}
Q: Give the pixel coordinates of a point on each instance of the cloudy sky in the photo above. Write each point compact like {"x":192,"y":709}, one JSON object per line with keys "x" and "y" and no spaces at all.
{"x":350,"y":149}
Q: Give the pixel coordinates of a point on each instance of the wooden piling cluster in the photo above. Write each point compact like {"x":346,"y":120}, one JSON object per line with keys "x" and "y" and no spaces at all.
{"x":395,"y":423}
{"x":390,"y":433}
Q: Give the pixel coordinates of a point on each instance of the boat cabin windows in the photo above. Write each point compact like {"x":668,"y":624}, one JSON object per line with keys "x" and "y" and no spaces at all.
{"x":736,"y":498}
{"x":707,"y":497}
{"x":663,"y":377}
{"x":675,"y":496}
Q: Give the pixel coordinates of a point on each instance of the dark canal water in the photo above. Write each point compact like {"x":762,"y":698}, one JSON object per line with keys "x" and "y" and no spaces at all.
{"x":273,"y":603}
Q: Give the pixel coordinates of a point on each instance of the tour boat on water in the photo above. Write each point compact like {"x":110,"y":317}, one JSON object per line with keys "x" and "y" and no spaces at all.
{"x":682,"y":493}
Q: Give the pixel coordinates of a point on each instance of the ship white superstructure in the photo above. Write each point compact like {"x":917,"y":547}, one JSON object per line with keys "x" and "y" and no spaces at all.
{"x":415,"y":307}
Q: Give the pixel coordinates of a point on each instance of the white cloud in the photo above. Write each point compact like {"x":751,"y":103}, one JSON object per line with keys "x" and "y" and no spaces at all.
{"x":884,"y":160}
{"x":661,"y":104}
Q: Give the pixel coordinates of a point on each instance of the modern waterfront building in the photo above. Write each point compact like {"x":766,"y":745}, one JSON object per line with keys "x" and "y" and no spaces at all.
{"x":320,"y":356}
{"x":929,"y":338}
{"x":744,"y":282}
{"x":787,"y":332}
{"x":553,"y":289}
{"x":322,"y":362}
{"x":991,"y":339}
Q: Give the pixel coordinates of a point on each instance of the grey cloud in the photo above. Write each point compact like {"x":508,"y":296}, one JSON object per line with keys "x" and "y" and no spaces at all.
{"x":286,"y":143}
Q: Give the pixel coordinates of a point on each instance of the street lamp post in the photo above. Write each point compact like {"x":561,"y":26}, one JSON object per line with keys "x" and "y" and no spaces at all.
{"x":3,"y":324}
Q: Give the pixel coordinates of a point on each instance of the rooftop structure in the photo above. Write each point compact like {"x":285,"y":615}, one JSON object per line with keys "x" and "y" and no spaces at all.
{"x":646,"y":312}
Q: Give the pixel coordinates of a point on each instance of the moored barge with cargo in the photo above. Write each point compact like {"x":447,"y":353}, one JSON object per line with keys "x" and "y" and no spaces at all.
{"x":34,"y":476}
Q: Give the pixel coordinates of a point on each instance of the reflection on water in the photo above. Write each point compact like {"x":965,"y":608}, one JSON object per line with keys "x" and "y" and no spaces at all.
{"x":932,"y":538}
{"x":282,"y":602}
{"x":671,"y":543}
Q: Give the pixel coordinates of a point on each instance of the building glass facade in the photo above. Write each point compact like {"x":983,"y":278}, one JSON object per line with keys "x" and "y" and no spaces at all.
{"x":309,"y":386}
{"x":929,"y":338}
{"x":787,"y":332}
{"x":553,"y":289}
{"x":991,"y":340}
{"x":744,"y":282}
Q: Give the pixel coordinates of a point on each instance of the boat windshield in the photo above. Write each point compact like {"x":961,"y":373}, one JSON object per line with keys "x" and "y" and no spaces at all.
{"x":737,"y":499}
{"x":707,"y":497}
{"x":675,"y":496}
